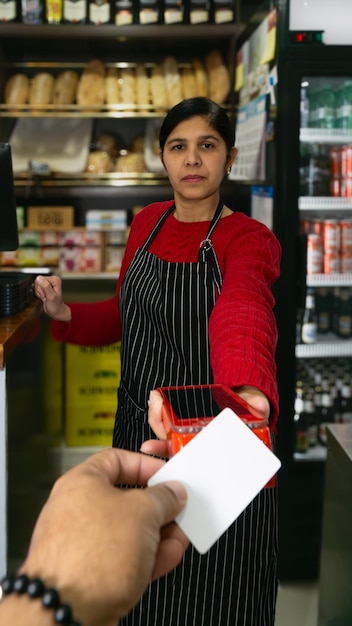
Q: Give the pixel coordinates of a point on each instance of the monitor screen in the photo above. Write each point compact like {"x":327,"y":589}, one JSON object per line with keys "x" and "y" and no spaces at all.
{"x":8,"y":219}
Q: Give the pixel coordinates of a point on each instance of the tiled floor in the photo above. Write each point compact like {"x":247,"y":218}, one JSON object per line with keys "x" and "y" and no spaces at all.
{"x":297,"y":604}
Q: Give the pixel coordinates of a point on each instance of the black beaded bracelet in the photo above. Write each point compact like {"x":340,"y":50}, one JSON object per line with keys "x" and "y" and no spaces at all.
{"x":35,"y":588}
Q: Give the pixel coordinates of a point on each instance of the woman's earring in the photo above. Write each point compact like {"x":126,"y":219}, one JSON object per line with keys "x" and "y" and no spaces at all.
{"x":228,"y":171}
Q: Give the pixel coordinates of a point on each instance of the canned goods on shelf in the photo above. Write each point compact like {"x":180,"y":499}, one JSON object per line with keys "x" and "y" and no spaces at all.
{"x":332,"y":262}
{"x":346,"y":188}
{"x":318,"y":229}
{"x":346,"y":236}
{"x":346,"y":263}
{"x":332,"y":236}
{"x":346,"y":161}
{"x":335,"y":187}
{"x":314,"y":254}
{"x":335,"y":162}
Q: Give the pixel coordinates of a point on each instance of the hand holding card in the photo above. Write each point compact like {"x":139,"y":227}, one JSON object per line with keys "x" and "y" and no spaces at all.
{"x":223,"y":468}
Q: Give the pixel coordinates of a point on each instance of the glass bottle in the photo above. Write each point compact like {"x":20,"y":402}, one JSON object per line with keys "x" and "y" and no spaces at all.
{"x":326,"y":414}
{"x":74,"y":12}
{"x":53,"y":11}
{"x":99,"y":12}
{"x":323,"y":309}
{"x":346,"y":402}
{"x":344,"y":319}
{"x":309,"y":322}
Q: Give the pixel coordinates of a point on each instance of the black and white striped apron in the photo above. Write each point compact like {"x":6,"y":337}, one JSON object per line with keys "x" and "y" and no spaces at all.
{"x":165,"y":309}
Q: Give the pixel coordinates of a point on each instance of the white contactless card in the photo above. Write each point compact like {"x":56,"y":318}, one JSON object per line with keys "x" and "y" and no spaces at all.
{"x":223,"y":468}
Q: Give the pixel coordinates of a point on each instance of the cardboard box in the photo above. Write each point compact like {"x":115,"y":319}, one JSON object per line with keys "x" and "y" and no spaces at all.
{"x":89,"y":426}
{"x":106,"y":220}
{"x":50,"y":217}
{"x":92,"y":377}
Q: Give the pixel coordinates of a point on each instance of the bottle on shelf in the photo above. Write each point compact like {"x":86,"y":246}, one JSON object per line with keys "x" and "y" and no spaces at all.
{"x":344,"y":318}
{"x":32,"y":11}
{"x":300,"y":419}
{"x":345,"y":415}
{"x":74,"y":12}
{"x":9,"y":11}
{"x":223,"y":11}
{"x":199,"y":11}
{"x":323,"y":310}
{"x":124,"y":13}
{"x":311,"y":418}
{"x":53,"y":11}
{"x":99,"y":12}
{"x":309,"y":322}
{"x":150,"y":12}
{"x":174,"y":12}
{"x":327,"y":415}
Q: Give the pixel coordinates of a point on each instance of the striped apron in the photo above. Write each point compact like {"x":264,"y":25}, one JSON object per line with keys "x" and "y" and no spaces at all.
{"x":165,"y":309}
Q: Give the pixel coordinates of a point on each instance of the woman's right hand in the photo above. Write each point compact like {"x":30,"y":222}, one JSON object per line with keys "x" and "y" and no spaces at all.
{"x":49,"y":290}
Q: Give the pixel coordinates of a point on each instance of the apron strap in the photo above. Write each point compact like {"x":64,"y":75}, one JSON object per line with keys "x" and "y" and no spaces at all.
{"x":157,"y":227}
{"x":206,"y":251}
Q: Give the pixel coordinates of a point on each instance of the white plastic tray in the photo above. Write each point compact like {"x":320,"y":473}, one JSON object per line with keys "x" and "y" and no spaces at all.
{"x":62,"y":144}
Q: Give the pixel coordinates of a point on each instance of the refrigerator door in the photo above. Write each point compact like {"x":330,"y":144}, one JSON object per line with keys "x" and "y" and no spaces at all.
{"x":312,"y":219}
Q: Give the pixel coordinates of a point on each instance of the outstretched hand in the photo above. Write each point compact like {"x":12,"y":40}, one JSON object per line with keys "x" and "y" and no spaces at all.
{"x":100,"y":546}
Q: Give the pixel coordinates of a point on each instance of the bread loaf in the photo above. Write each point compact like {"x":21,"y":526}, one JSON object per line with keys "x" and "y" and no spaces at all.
{"x":112,"y":89}
{"x":65,"y":87}
{"x":200,"y":76}
{"x":91,"y":86}
{"x":158,"y":88}
{"x":188,"y":82}
{"x":17,"y":89}
{"x":172,"y":81}
{"x":133,"y":162}
{"x":41,"y":89}
{"x":142,"y":86}
{"x":128,"y":87}
{"x":99,"y":162}
{"x":218,"y":77}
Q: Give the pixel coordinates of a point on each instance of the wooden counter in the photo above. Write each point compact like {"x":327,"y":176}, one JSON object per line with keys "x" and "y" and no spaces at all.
{"x":16,"y":329}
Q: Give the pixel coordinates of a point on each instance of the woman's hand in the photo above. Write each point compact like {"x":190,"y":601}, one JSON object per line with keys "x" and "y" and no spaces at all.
{"x":155,"y":416}
{"x":255,"y":398}
{"x":49,"y":290}
{"x":100,"y":546}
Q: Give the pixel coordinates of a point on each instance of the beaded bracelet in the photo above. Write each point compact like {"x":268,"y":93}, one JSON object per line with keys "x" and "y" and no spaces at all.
{"x":35,"y":588}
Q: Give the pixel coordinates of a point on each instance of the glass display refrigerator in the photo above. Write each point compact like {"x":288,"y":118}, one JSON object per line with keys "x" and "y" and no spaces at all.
{"x":313,"y":221}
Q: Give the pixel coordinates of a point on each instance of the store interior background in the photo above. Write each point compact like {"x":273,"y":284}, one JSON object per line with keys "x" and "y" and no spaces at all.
{"x":33,"y":461}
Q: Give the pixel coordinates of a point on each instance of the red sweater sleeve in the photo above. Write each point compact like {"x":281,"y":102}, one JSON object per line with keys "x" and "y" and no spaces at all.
{"x":242,"y":326}
{"x":99,"y":323}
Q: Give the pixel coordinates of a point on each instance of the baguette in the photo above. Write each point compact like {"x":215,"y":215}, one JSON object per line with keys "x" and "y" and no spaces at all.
{"x":218,"y":77}
{"x":172,"y":81}
{"x":188,"y":82}
{"x":17,"y":89}
{"x":41,"y":89}
{"x":65,"y":87}
{"x":158,"y":88}
{"x":91,"y":86}
{"x":200,"y":76}
{"x":112,"y":89}
{"x":143,"y":96}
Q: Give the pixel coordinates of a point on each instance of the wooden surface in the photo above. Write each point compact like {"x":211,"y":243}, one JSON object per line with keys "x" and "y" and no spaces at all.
{"x":17,"y":329}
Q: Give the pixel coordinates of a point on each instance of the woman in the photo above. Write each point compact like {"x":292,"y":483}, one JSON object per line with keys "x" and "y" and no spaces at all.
{"x":193,"y":305}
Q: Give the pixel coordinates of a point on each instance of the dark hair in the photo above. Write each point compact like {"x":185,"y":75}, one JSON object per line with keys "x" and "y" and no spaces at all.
{"x":194,"y":107}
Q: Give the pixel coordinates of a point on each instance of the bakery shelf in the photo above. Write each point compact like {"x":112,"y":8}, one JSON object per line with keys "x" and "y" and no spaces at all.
{"x":110,"y":31}
{"x":113,"y":179}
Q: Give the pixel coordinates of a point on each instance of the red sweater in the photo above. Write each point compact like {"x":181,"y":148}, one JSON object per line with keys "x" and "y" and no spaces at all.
{"x":242,"y":327}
